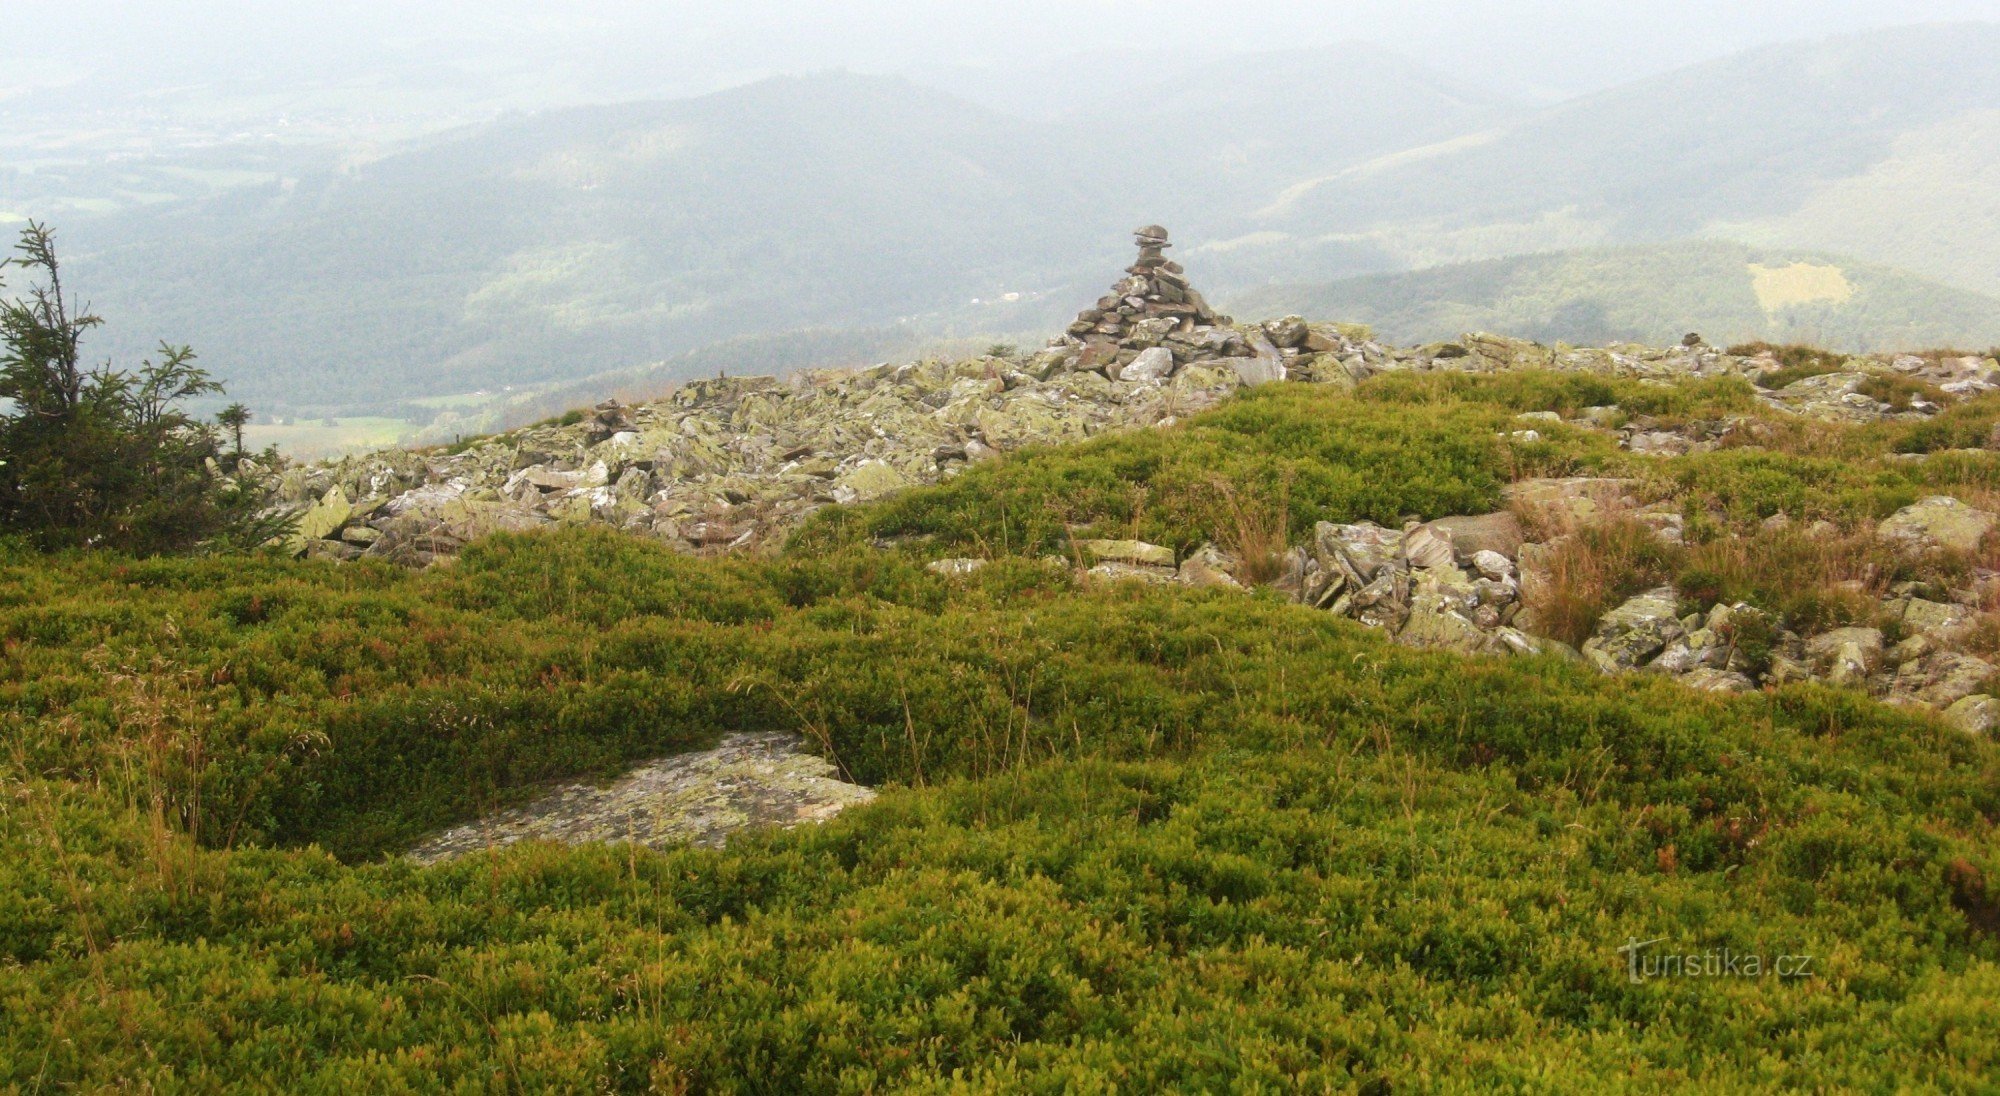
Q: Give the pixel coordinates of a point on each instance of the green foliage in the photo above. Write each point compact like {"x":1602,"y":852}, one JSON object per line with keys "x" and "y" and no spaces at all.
{"x":1967,"y":425}
{"x":1130,"y":837}
{"x":97,"y":457}
{"x":1164,"y":839}
{"x":1407,"y":446}
{"x":1900,"y":392}
{"x":1796,"y":361}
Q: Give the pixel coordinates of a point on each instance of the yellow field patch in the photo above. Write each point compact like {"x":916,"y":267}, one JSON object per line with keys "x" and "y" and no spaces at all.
{"x":1800,"y":283}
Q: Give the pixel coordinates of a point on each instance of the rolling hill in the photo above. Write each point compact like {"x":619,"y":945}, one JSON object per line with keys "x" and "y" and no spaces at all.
{"x":1726,"y":291}
{"x":540,"y":251}
{"x":557,"y":245}
{"x":1876,"y":144}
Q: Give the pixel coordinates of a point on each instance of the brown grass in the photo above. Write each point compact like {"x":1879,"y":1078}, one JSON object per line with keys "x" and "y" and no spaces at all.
{"x":1590,"y":572}
{"x":1254,"y":529}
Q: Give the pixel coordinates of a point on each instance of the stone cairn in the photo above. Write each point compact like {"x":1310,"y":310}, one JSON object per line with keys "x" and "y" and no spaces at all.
{"x":1150,"y":323}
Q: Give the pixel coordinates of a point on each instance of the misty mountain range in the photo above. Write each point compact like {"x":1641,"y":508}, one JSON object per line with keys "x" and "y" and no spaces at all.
{"x":541,"y":249}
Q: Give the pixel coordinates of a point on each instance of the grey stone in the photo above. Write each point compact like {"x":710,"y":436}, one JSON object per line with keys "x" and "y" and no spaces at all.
{"x":1633,"y":633}
{"x":1150,"y":367}
{"x":1134,"y":552}
{"x":1975,"y":714}
{"x":1937,"y":522}
{"x":749,"y":781}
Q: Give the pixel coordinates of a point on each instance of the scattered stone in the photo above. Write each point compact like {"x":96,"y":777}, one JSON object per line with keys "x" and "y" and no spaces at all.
{"x":1498,"y":532}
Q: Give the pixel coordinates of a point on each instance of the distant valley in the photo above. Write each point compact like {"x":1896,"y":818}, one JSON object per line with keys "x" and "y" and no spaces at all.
{"x":463,"y":280}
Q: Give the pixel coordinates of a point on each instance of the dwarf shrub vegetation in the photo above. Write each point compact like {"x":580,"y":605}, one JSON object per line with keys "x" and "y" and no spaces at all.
{"x":1130,"y":838}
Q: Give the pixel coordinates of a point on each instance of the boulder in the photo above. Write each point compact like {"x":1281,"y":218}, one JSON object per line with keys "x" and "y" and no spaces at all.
{"x":1940,"y":621}
{"x":1132,"y":552}
{"x":1209,"y":566}
{"x":1498,"y":532}
{"x":1359,"y":551}
{"x":1493,"y":565}
{"x":1937,"y":522}
{"x":1151,"y":366}
{"x":1975,"y":714}
{"x":1632,"y":634}
{"x":1289,"y":333}
{"x":954,"y":566}
{"x":1941,"y":679}
{"x":324,"y":519}
{"x":1427,"y":549}
{"x":1265,"y":366}
{"x":1846,"y":656}
{"x":1709,"y":679}
{"x":1442,"y":602}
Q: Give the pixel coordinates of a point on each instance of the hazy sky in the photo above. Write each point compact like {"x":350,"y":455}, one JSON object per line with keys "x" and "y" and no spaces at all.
{"x":614,"y":48}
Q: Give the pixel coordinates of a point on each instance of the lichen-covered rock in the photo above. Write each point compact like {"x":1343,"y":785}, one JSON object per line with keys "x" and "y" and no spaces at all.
{"x":1940,"y":679}
{"x":1975,"y":714}
{"x":1710,"y":679}
{"x":1940,"y":621}
{"x":1359,"y":551}
{"x":1209,"y":566}
{"x":1471,"y":534}
{"x":1441,"y":608}
{"x":1846,"y":656}
{"x":323,"y":519}
{"x":1632,"y":634}
{"x":1135,"y":552}
{"x":1120,"y":571}
{"x":701,"y":798}
{"x":1937,"y":522}
{"x":1573,"y":501}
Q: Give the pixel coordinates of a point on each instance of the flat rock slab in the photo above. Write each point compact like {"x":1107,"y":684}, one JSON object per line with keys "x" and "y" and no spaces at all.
{"x":750,"y":781}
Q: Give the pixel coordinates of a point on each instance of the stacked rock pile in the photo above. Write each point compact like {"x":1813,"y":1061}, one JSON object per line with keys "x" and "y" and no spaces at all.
{"x":1153,"y":322}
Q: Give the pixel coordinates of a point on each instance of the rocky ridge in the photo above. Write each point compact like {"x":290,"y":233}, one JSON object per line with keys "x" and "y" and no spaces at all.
{"x":736,"y":463}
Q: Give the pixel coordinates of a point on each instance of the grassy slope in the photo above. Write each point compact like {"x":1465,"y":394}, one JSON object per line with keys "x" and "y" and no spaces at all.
{"x":1651,"y":294}
{"x":1136,"y":837}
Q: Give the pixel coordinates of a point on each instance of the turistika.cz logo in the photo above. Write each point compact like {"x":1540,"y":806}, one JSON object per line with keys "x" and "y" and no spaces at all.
{"x":1642,"y":964}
